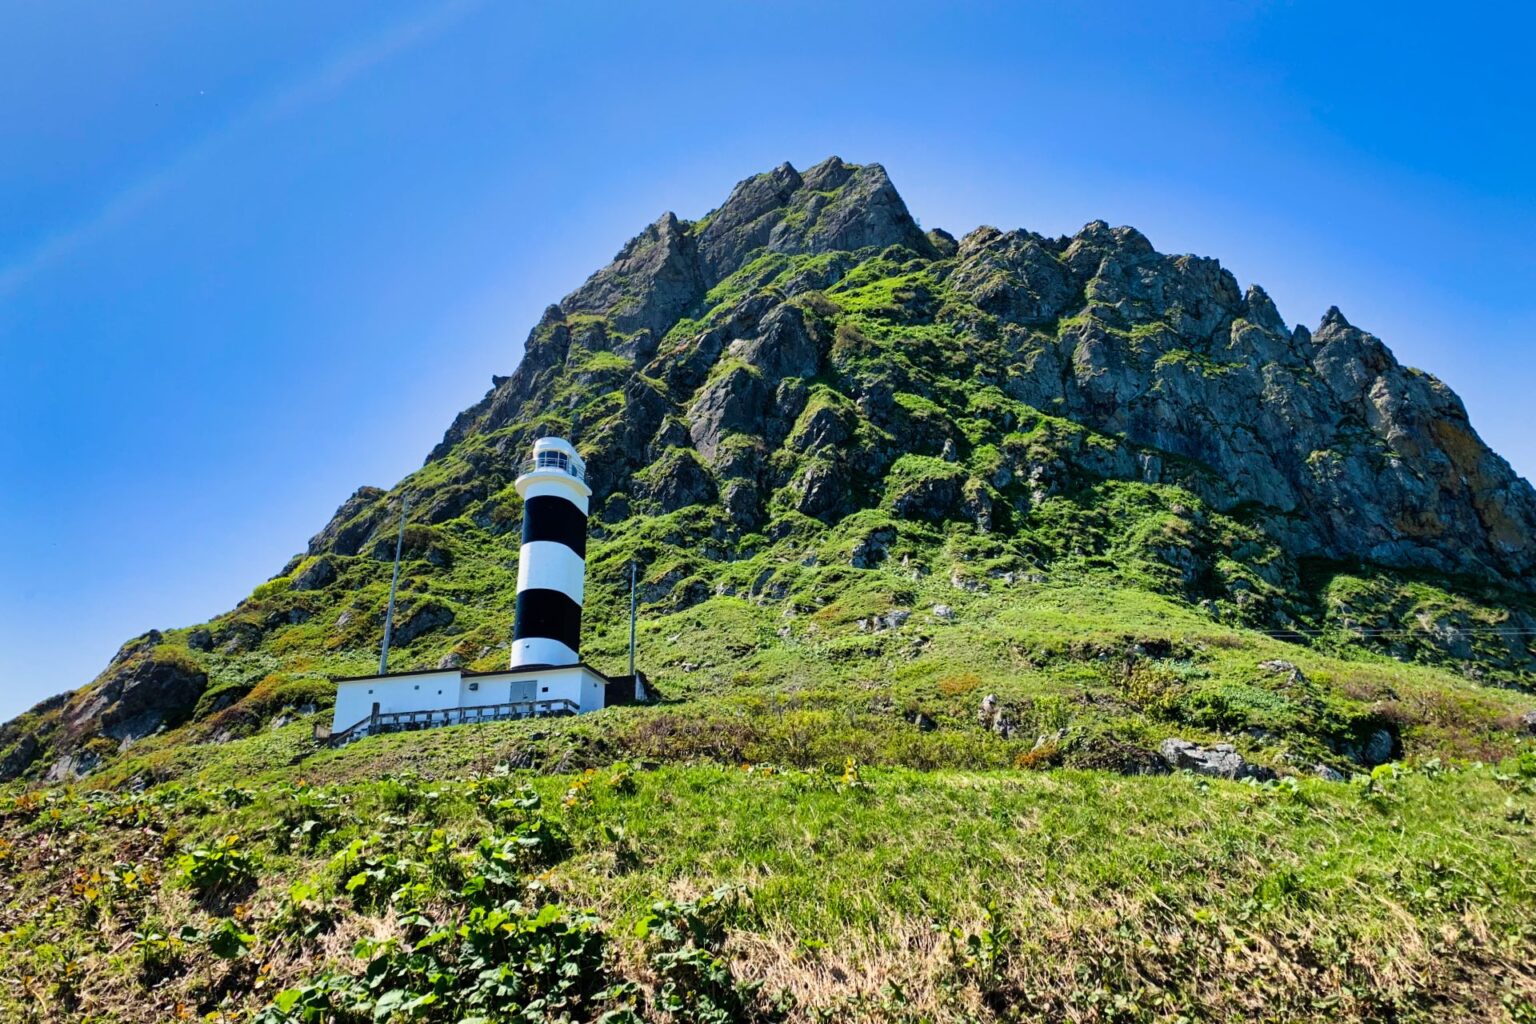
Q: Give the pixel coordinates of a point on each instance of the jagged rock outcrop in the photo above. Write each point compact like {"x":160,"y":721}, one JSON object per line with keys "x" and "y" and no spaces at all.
{"x":137,"y":698}
{"x":420,"y":619}
{"x":805,"y":353}
{"x":1221,"y":761}
{"x":20,"y":757}
{"x":1344,"y":453}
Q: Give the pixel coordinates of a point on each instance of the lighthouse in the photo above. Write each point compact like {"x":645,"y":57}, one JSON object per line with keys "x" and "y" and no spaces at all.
{"x":552,"y":566}
{"x":547,"y":675}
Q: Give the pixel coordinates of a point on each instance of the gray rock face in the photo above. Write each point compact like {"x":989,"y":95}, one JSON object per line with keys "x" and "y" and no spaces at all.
{"x":422,"y":619}
{"x":20,"y":757}
{"x":678,"y":481}
{"x":139,"y":644}
{"x":654,"y":279}
{"x":1528,"y":722}
{"x":317,"y":575}
{"x":137,"y":698}
{"x":72,"y":766}
{"x":1014,"y":276}
{"x":1221,"y":761}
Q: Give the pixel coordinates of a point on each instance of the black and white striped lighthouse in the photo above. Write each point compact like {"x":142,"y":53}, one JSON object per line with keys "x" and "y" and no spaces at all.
{"x":552,"y":567}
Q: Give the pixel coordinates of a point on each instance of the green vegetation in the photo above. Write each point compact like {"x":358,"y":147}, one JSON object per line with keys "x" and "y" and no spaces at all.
{"x":758,"y":892}
{"x":919,"y":637}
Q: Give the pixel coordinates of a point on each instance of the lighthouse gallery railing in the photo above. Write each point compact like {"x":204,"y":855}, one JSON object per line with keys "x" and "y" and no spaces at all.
{"x":409,"y":721}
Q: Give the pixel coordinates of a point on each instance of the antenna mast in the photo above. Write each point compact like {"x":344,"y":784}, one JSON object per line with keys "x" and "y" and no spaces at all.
{"x":389,"y":611}
{"x":632,"y":618}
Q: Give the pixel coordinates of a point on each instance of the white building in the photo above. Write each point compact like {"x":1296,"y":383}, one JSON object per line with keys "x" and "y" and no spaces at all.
{"x":367,"y":705}
{"x":546,"y":675}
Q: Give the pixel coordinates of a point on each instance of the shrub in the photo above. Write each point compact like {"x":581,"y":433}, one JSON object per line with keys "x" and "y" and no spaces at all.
{"x":1046,"y":755}
{"x":688,"y":941}
{"x":958,"y":685}
{"x":220,"y":868}
{"x":502,"y":963}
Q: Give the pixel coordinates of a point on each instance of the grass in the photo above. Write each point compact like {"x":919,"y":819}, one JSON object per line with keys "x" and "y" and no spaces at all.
{"x":814,"y":823}
{"x":864,"y":894}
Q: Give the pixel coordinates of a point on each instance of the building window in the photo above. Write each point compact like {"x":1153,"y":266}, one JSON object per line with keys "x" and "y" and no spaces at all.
{"x":370,"y":693}
{"x":544,"y":690}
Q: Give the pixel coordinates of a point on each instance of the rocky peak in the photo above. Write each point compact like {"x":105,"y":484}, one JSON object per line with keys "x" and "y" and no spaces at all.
{"x":833,"y":206}
{"x":1348,"y":454}
{"x":654,"y":280}
{"x":1259,"y":309}
{"x":1097,"y":241}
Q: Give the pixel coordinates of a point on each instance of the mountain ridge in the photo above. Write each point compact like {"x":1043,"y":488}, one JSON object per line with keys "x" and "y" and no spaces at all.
{"x":1357,"y":367}
{"x":802,"y":386}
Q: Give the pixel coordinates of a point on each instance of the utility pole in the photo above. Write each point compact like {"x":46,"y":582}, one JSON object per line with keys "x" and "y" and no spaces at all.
{"x":394,"y":581}
{"x":632,"y":577}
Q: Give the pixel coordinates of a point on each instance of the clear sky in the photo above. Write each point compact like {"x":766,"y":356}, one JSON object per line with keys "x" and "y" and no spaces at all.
{"x":253,"y":256}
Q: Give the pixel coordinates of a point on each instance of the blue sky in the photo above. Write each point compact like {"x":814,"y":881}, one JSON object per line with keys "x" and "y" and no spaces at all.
{"x":253,"y":256}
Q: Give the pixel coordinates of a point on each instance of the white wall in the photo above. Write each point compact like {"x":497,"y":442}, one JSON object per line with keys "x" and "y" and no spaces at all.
{"x":435,"y":691}
{"x":564,"y":686}
{"x":426,"y":692}
{"x":592,"y":690}
{"x":497,"y":689}
{"x":574,"y":684}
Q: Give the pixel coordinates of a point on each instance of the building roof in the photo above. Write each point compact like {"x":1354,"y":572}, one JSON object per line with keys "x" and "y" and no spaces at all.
{"x":468,"y":674}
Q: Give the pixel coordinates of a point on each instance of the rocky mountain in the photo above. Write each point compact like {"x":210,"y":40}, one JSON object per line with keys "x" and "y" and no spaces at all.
{"x":801,"y":403}
{"x":725,"y":330}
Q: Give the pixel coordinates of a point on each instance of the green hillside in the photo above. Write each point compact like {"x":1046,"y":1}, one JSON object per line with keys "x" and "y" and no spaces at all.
{"x":1043,"y":629}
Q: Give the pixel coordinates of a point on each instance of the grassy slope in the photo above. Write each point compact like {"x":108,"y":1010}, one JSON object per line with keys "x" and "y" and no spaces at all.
{"x":1105,"y":665}
{"x":1106,"y":614}
{"x":1410,"y":897}
{"x":874,"y":894}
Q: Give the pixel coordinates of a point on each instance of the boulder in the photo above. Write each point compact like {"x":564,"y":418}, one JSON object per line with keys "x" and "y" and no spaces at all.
{"x":872,"y":548}
{"x":1378,"y":747}
{"x":922,"y":720}
{"x":1284,"y":668}
{"x":893,"y":619}
{"x":993,"y":716}
{"x":140,"y":697}
{"x":1221,"y":761}
{"x":20,"y":757}
{"x":423,"y":618}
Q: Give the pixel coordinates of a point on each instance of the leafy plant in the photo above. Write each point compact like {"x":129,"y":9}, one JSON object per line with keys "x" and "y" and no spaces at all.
{"x":982,"y":957}
{"x":687,"y":953}
{"x":219,"y":868}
